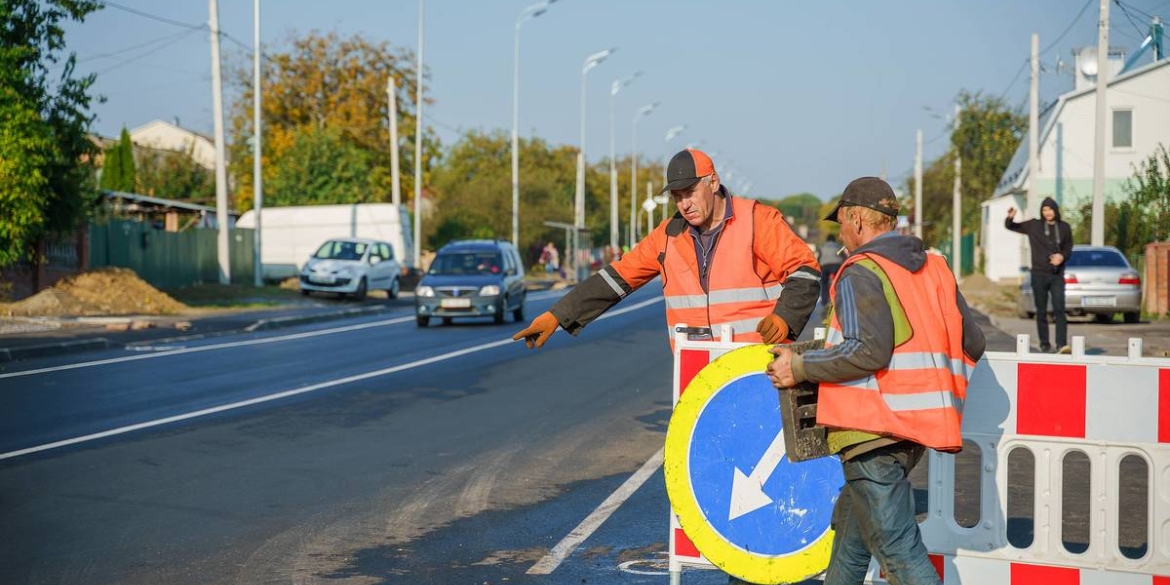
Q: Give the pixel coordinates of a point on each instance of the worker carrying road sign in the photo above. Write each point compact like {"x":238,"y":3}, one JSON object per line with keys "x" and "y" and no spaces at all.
{"x":892,"y":377}
{"x":724,"y":260}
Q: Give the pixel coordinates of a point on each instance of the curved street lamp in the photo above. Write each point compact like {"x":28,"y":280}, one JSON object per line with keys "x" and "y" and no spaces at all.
{"x":617,"y":86}
{"x":579,"y":201}
{"x":528,"y":13}
{"x":643,"y":111}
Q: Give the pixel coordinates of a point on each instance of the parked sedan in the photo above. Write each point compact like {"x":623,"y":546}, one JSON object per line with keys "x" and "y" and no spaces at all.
{"x":351,"y":266}
{"x":1098,"y":281}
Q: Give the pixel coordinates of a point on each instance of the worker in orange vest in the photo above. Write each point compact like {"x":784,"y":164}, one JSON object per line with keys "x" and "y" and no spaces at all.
{"x":893,"y":376}
{"x":724,"y":260}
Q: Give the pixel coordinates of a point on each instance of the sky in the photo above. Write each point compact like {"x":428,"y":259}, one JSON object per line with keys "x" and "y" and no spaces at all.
{"x":789,"y":96}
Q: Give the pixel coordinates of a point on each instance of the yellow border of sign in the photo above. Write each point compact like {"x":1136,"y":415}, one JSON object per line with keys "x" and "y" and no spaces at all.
{"x":733,"y":559}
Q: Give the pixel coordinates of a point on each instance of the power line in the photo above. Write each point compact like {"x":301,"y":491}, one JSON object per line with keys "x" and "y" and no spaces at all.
{"x":132,"y":47}
{"x":1014,"y":79}
{"x":1139,"y":11}
{"x":1141,"y":35}
{"x":1068,"y":28}
{"x":155,"y":16}
{"x":148,"y":53}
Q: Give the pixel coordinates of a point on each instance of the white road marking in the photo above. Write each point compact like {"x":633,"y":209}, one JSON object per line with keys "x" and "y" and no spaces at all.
{"x":147,"y":356}
{"x":594,"y":520}
{"x":286,"y":393}
{"x":160,"y":352}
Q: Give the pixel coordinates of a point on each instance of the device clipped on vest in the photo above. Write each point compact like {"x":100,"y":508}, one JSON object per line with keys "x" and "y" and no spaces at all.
{"x":696,"y":333}
{"x":803,"y":438}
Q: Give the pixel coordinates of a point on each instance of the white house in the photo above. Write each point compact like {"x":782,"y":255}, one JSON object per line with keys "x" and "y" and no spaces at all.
{"x":167,"y":136}
{"x":1138,"y":119}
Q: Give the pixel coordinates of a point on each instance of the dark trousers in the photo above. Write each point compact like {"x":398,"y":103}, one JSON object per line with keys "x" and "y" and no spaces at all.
{"x":827,"y":273}
{"x":874,"y":517}
{"x":1043,"y":285}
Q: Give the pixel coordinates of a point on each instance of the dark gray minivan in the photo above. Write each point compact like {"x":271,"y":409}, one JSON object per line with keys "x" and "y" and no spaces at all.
{"x":472,"y":278}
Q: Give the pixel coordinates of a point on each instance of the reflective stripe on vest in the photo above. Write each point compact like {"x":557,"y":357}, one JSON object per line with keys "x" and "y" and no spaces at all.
{"x":920,"y":394}
{"x":736,"y":295}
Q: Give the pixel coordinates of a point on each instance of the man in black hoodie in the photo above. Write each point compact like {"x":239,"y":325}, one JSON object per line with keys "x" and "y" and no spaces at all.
{"x":1051,"y":241}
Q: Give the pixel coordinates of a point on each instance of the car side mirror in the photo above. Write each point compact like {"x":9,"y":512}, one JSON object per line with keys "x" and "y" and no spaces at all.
{"x":375,"y":259}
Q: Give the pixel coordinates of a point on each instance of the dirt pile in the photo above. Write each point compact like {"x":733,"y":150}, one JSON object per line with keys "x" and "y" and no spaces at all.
{"x":106,"y":291}
{"x":987,"y":296}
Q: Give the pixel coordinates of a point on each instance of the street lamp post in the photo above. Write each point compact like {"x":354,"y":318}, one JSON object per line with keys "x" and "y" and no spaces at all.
{"x":613,"y":187}
{"x":531,"y":12}
{"x":579,"y":201}
{"x":643,"y":111}
{"x":670,"y":135}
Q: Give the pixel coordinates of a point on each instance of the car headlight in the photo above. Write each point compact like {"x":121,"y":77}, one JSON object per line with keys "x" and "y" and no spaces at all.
{"x":424,"y":291}
{"x":490,"y":290}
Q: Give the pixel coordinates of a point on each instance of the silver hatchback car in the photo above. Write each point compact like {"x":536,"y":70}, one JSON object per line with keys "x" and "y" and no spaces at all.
{"x":1098,"y":281}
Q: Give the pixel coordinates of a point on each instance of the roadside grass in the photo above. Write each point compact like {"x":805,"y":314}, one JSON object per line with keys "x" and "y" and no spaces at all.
{"x":236,"y":296}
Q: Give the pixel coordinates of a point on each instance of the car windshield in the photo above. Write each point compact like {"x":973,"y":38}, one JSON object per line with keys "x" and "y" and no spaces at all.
{"x":1097,"y":258}
{"x":340,"y":250}
{"x":466,"y":263}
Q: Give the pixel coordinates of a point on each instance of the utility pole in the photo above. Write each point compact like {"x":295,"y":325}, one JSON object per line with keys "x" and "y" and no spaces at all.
{"x":223,"y":253}
{"x":1033,"y":199}
{"x":1098,"y":221}
{"x":918,"y":187}
{"x":257,"y":179}
{"x":957,"y":202}
{"x":418,"y":149}
{"x":396,"y":186}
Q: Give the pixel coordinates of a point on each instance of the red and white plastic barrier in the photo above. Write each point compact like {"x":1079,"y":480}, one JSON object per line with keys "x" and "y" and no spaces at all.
{"x":1106,"y":407}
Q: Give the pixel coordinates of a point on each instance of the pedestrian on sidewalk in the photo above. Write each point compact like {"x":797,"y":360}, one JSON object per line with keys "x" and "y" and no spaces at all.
{"x":892,"y":379}
{"x":1051,"y":241}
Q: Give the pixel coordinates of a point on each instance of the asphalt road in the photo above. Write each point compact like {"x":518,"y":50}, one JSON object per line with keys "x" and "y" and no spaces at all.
{"x":398,"y":436}
{"x":355,"y":452}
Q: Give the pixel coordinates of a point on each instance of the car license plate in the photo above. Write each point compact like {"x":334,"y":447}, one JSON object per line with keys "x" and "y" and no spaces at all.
{"x":323,"y":279}
{"x":455,"y":303}
{"x":1099,"y":302}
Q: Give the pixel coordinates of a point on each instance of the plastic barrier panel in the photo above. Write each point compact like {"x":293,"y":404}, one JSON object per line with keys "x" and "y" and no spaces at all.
{"x":1096,"y":430}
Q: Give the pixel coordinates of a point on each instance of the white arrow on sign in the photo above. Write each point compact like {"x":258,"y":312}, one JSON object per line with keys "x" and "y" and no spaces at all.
{"x":747,"y":491}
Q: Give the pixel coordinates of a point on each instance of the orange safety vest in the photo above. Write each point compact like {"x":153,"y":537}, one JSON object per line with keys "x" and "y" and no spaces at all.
{"x":919,"y":395}
{"x":736,"y":294}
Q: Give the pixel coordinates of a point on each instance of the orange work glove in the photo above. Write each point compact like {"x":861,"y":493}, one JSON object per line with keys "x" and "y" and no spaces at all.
{"x":773,"y":329}
{"x":539,"y":330}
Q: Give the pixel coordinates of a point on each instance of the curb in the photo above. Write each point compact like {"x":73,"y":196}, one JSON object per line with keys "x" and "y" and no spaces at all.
{"x":278,"y":322}
{"x":80,"y":345}
{"x":34,"y":351}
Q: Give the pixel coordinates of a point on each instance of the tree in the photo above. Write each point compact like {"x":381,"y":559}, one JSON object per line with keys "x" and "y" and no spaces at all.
{"x":1142,"y":216}
{"x":322,"y":83}
{"x":45,"y":174}
{"x":473,"y":191}
{"x":174,"y":174}
{"x":988,"y":134}
{"x":321,"y":167}
{"x":801,"y":208}
{"x":118,"y":173}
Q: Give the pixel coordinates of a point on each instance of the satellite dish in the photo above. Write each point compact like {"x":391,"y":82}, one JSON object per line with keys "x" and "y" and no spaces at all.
{"x":1089,"y":67}
{"x":648,"y":205}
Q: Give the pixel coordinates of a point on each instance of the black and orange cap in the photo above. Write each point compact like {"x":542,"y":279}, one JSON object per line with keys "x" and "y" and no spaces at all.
{"x":870,"y":192}
{"x":686,"y":168}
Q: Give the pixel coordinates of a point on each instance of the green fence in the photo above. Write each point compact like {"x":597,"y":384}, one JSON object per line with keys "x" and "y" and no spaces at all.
{"x":168,"y":259}
{"x":968,"y":252}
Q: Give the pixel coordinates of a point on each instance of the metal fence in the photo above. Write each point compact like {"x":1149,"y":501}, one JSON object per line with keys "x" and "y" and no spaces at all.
{"x":168,"y":259}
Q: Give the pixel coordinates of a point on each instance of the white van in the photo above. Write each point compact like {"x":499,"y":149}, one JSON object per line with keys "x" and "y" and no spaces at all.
{"x":289,"y":235}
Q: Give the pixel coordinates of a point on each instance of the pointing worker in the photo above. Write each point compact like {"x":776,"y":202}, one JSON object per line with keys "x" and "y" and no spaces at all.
{"x":893,"y":377}
{"x":724,"y":261}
